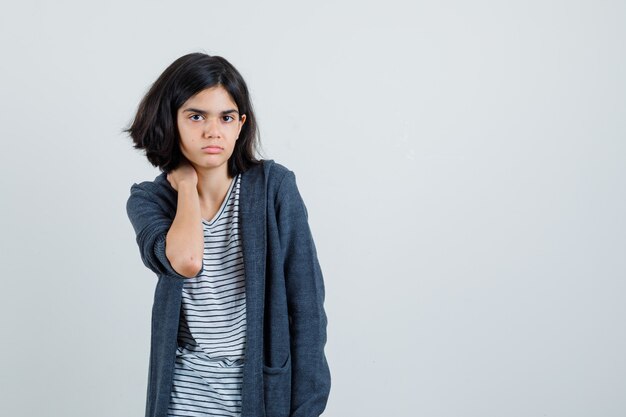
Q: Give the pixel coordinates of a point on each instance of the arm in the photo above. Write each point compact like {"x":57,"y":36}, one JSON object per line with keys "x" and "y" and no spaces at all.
{"x":305,"y":298}
{"x":151,"y":224}
{"x":185,"y":239}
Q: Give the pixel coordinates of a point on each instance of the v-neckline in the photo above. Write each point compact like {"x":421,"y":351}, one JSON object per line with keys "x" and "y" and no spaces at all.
{"x":223,"y":205}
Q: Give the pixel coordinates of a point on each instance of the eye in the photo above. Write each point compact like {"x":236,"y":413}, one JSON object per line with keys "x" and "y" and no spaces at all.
{"x":230,"y":117}
{"x":194,"y":115}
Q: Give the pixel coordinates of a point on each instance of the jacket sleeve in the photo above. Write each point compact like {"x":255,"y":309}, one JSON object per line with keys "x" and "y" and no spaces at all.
{"x":151,"y":224}
{"x":310,"y":384}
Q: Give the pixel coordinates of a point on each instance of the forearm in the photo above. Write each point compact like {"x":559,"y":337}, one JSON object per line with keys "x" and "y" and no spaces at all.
{"x":185,"y":238}
{"x":311,"y":378}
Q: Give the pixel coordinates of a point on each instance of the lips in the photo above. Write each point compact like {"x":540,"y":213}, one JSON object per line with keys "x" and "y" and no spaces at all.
{"x":212,"y":149}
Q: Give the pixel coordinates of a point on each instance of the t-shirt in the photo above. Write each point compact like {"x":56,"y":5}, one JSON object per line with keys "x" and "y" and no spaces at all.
{"x":212,"y":328}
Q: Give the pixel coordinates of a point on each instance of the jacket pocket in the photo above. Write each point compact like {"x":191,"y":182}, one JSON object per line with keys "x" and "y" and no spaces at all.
{"x":277,"y":389}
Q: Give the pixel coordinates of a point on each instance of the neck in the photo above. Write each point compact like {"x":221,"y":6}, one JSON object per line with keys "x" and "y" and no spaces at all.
{"x":212,"y":183}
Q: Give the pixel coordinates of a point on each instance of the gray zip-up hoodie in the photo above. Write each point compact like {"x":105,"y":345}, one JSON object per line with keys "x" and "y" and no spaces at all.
{"x":285,"y":370}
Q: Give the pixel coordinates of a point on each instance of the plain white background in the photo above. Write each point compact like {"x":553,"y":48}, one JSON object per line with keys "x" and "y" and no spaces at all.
{"x":463,"y":165}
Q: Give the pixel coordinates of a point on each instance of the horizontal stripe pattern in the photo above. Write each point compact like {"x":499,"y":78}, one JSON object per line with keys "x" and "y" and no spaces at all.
{"x":208,"y":369}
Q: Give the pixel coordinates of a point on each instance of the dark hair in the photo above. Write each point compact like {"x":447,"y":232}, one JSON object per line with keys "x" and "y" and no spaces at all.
{"x":155,"y":127}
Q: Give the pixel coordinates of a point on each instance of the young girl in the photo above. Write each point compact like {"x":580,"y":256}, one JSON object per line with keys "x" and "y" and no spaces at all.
{"x":238,"y":320}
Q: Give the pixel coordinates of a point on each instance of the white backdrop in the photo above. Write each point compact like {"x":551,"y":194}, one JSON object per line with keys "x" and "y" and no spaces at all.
{"x":463,"y":165}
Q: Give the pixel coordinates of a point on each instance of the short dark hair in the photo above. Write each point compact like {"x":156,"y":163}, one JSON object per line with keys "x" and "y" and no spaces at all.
{"x":155,"y":127}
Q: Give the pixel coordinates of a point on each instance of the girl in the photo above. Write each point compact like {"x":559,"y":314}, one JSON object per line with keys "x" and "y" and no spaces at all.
{"x":238,"y":320}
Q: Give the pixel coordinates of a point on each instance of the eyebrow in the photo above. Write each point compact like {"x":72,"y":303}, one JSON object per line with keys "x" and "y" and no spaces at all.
{"x":192,"y":110}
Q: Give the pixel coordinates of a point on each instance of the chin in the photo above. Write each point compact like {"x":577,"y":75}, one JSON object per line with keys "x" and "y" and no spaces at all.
{"x":211,"y":164}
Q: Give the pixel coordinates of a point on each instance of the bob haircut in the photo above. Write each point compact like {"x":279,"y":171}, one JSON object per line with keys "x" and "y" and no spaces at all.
{"x":155,"y":127}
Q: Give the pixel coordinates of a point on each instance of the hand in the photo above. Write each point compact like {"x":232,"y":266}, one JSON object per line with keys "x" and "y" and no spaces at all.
{"x":185,"y":172}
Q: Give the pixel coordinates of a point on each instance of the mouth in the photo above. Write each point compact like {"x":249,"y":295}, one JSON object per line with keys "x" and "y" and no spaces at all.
{"x":212,"y":149}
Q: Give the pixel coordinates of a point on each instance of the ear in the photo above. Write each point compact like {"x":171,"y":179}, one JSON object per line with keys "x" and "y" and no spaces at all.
{"x":243,"y":120}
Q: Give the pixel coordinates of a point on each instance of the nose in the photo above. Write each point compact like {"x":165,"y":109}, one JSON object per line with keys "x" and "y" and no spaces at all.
{"x":211,"y":128}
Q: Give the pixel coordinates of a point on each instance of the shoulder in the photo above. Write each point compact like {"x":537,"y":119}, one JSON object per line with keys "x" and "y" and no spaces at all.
{"x":281,"y":179}
{"x":151,"y":186}
{"x":274,"y":171}
{"x":158,"y":191}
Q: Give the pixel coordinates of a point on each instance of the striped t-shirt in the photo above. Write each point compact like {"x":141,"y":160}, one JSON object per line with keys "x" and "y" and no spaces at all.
{"x":211,"y":335}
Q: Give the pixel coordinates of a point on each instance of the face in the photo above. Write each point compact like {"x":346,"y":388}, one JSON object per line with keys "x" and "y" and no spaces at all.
{"x":209,"y":124}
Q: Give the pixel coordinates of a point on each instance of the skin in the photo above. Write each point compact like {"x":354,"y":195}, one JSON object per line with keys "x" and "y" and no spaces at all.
{"x":201,"y":181}
{"x":210,"y":171}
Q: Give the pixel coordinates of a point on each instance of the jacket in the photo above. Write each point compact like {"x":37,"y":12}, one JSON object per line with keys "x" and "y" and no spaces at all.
{"x":285,"y":371}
